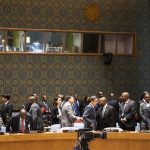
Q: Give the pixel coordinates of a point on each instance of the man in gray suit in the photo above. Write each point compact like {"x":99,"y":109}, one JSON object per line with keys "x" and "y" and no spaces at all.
{"x":67,"y":114}
{"x":147,"y":116}
{"x":36,"y":114}
{"x":89,"y":115}
{"x":127,"y":113}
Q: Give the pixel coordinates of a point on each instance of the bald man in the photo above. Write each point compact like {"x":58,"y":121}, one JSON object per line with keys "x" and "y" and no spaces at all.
{"x":105,"y":114}
{"x":127,"y":112}
{"x":20,"y":123}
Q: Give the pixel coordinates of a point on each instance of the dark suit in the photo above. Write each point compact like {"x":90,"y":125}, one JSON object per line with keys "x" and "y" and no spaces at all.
{"x":54,"y":116}
{"x":14,"y":123}
{"x":108,"y":119}
{"x":28,"y":106}
{"x":128,"y":113}
{"x":6,"y":112}
{"x":114,"y":103}
{"x":89,"y":117}
{"x":78,"y":108}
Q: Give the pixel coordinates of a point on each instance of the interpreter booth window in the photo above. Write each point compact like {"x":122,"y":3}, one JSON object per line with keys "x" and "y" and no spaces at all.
{"x":72,"y":42}
{"x":124,"y":44}
{"x":35,"y":41}
{"x":12,"y":40}
{"x":54,"y":41}
{"x":91,"y":42}
{"x":2,"y":41}
{"x":109,"y":43}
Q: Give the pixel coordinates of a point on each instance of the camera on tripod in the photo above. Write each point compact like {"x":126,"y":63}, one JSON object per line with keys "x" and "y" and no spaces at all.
{"x":85,"y":136}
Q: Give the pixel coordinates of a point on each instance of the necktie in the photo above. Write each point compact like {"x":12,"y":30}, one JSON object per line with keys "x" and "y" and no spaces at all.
{"x":124,"y":107}
{"x":103,"y":111}
{"x":22,"y":125}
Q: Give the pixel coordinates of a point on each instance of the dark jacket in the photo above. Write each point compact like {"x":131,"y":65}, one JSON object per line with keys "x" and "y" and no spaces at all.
{"x":129,"y":113}
{"x":54,"y":116}
{"x":14,"y":124}
{"x":89,"y":117}
{"x":6,"y":112}
{"x":108,"y":120}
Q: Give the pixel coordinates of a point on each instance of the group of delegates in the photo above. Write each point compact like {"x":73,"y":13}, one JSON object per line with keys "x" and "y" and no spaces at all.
{"x":96,"y":112}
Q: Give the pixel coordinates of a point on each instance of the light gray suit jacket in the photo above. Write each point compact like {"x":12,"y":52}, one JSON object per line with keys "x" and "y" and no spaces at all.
{"x":67,"y":115}
{"x":144,"y":121}
{"x":147,"y":115}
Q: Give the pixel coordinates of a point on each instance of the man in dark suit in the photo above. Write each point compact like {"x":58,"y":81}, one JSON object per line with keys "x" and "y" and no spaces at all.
{"x":6,"y":109}
{"x":114,"y":103}
{"x":28,"y":104}
{"x":77,"y":106}
{"x":20,"y":123}
{"x":105,"y":115}
{"x":89,"y":115}
{"x":127,"y":113}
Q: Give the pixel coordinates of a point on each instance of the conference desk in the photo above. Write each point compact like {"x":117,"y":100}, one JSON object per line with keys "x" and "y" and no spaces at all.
{"x":66,"y":141}
{"x":38,"y":141}
{"x":122,"y":141}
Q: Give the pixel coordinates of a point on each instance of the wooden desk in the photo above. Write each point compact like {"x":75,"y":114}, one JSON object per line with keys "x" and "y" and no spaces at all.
{"x":122,"y":141}
{"x":66,"y":141}
{"x":39,"y":141}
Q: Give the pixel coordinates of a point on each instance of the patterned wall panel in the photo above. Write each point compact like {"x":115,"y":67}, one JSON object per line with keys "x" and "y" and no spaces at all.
{"x":68,"y":14}
{"x":22,"y":75}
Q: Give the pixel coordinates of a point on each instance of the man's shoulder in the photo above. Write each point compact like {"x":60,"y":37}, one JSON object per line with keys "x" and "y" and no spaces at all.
{"x":9,"y":104}
{"x":89,"y":106}
{"x":67,"y":104}
{"x":132,"y":101}
{"x":15,"y":117}
{"x":109,"y":106}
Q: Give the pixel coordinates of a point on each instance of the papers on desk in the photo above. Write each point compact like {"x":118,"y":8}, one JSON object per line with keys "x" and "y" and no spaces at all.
{"x":79,"y":125}
{"x":55,"y":127}
{"x":68,"y":129}
{"x":113,"y":129}
{"x":76,"y":127}
{"x":3,"y":129}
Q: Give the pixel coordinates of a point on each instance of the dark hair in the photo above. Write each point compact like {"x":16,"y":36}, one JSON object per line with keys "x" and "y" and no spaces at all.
{"x":143,"y":94}
{"x":86,"y":99}
{"x":67,"y":98}
{"x":55,"y":101}
{"x":7,"y":96}
{"x":61,"y":96}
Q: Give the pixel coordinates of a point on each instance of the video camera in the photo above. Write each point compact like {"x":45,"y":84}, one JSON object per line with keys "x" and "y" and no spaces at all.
{"x":85,"y":136}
